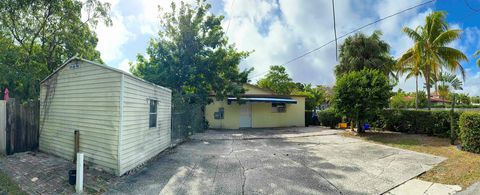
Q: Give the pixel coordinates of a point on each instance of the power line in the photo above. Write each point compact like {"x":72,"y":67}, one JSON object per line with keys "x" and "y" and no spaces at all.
{"x":471,"y":7}
{"x":335,"y":30}
{"x":230,"y":19}
{"x":351,"y":32}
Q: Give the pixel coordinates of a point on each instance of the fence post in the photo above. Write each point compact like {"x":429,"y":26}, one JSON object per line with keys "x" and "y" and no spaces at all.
{"x":3,"y":127}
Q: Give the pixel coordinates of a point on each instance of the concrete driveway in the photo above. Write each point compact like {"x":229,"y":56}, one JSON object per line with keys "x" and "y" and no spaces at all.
{"x":276,"y":161}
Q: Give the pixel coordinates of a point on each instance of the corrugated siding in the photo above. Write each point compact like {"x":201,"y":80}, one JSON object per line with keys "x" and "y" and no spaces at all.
{"x":85,"y":99}
{"x":139,"y":142}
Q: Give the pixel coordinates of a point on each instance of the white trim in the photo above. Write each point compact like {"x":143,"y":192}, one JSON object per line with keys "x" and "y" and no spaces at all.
{"x":120,"y":129}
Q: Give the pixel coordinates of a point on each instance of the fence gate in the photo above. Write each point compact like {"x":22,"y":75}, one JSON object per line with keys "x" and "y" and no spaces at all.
{"x":22,"y":126}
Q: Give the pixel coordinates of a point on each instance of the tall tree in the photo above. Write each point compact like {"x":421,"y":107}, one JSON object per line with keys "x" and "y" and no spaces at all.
{"x":36,"y":36}
{"x":361,"y":94}
{"x":448,"y":83}
{"x":192,"y":56}
{"x":277,"y":80}
{"x":413,"y":69}
{"x":360,"y":51}
{"x":314,"y":95}
{"x":431,"y":48}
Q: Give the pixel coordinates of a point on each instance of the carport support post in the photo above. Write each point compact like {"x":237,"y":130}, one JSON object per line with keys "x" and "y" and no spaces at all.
{"x":79,"y":176}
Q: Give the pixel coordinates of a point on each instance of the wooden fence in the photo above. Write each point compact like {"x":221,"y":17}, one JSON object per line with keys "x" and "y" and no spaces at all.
{"x":22,"y":126}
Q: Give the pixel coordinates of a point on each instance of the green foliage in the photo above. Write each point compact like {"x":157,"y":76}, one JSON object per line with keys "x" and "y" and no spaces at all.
{"x":359,"y":95}
{"x":37,"y":36}
{"x":464,"y":99}
{"x":360,"y":51}
{"x":470,"y":131}
{"x":436,"y":123}
{"x":192,"y":56}
{"x":410,"y":121}
{"x":399,"y":101}
{"x":475,"y":99}
{"x":422,"y":99}
{"x":430,"y":51}
{"x":477,"y":53}
{"x":314,"y":96}
{"x":329,"y":118}
{"x":278,"y":81}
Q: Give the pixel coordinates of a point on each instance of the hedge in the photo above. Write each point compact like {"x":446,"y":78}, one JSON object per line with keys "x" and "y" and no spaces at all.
{"x":415,"y":121}
{"x":470,"y":131}
{"x":329,"y":118}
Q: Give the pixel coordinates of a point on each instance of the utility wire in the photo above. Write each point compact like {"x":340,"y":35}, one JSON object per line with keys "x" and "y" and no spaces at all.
{"x":230,"y":19}
{"x":346,"y":34}
{"x":471,"y":7}
{"x":335,"y":30}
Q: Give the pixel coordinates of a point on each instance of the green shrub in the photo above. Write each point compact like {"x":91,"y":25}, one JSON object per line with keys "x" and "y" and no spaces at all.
{"x":329,"y":118}
{"x":470,"y":131}
{"x":416,"y":121}
{"x":407,"y":121}
{"x":441,"y":122}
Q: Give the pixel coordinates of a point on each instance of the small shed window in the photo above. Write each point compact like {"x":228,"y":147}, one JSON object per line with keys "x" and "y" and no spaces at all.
{"x":279,"y":107}
{"x":153,"y":114}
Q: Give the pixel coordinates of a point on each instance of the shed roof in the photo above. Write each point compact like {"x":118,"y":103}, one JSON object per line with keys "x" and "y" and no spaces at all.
{"x":100,"y":65}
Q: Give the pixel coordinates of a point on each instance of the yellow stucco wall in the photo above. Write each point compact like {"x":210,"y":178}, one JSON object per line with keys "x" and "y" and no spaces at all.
{"x":231,"y":117}
{"x":262,"y":115}
{"x":250,"y":89}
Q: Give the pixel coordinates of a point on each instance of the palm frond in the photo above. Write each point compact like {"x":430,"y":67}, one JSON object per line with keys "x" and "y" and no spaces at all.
{"x":413,"y":34}
{"x":447,"y":37}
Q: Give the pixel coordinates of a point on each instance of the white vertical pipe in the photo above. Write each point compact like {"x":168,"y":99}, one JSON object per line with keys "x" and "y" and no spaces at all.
{"x":79,"y":179}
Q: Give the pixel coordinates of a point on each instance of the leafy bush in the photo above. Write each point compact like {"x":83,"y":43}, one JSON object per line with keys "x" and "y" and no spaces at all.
{"x":407,"y":121}
{"x":470,"y":131}
{"x":415,"y":121}
{"x":329,"y":118}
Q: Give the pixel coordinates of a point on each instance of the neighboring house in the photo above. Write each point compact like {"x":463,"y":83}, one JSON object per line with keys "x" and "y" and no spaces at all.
{"x":123,"y":121}
{"x":257,"y":108}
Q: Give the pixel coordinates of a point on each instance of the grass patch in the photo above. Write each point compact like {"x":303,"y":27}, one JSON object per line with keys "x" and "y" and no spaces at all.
{"x":460,"y":168}
{"x":7,"y":186}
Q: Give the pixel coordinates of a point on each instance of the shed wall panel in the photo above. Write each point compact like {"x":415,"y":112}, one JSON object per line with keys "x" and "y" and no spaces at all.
{"x":85,"y":99}
{"x":139,"y":142}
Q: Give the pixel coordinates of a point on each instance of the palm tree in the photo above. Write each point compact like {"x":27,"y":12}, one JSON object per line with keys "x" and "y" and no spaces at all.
{"x":477,"y":54}
{"x":431,"y":50}
{"x":414,"y":70}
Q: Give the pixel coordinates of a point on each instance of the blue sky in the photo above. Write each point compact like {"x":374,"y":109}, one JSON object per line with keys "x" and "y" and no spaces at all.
{"x":279,"y":30}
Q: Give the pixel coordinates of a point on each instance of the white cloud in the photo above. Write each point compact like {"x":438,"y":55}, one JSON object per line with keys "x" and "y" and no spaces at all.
{"x":278,"y":31}
{"x":111,"y":39}
{"x":124,"y":65}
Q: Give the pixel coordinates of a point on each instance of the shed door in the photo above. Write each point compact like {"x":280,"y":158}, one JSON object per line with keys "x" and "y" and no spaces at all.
{"x":245,"y":115}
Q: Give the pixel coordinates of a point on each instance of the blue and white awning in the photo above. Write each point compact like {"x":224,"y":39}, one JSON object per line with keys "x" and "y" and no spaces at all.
{"x":264,"y":99}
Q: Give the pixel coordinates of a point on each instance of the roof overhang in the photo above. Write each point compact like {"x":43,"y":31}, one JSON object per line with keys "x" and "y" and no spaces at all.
{"x":263,"y":99}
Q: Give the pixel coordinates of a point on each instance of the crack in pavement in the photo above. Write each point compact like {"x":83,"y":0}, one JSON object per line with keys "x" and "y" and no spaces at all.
{"x":309,"y":168}
{"x":425,"y":192}
{"x":244,"y":177}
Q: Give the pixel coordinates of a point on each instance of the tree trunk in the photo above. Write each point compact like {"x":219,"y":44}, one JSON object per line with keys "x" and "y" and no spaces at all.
{"x":416,"y":92}
{"x":359,"y":127}
{"x":427,"y":76}
{"x":453,"y":125}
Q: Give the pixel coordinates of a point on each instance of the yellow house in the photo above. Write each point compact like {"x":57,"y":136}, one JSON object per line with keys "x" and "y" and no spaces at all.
{"x":257,"y":108}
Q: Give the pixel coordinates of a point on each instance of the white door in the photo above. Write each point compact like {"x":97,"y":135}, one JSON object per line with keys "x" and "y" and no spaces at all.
{"x":245,"y":115}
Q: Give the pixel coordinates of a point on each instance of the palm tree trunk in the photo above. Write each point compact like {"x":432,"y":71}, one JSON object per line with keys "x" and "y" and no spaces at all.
{"x":427,"y":78}
{"x":416,"y":92}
